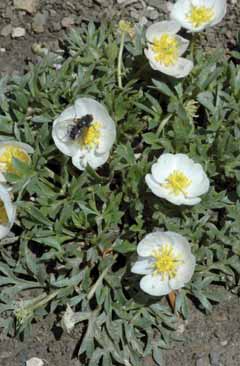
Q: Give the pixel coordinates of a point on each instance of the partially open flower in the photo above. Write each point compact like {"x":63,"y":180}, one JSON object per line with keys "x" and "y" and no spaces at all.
{"x":9,"y":150}
{"x":166,"y":260}
{"x":86,"y":132}
{"x":196,"y":15}
{"x":165,"y":49}
{"x":7,"y":212}
{"x":178,"y":179}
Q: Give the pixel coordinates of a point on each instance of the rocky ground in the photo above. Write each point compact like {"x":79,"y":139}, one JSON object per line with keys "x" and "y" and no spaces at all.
{"x":211,"y":340}
{"x":25,"y":23}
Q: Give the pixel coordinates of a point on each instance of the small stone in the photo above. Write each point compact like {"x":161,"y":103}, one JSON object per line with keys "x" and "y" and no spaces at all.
{"x":224,"y":343}
{"x":143,"y":21}
{"x":18,"y":32}
{"x":126,"y":2}
{"x":135,"y":14}
{"x":55,"y":27}
{"x":30,"y":6}
{"x":52,"y":12}
{"x":151,"y":13}
{"x":39,"y":22}
{"x":7,"y":30}
{"x":203,"y":361}
{"x":215,"y":358}
{"x":2,"y":50}
{"x":35,"y":362}
{"x":67,"y":22}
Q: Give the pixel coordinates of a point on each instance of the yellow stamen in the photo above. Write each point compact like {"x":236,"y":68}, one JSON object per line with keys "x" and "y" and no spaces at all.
{"x":91,"y":135}
{"x":3,"y":214}
{"x":177,"y":183}
{"x":166,"y":262}
{"x":166,"y":49}
{"x":10,"y":152}
{"x":200,"y":15}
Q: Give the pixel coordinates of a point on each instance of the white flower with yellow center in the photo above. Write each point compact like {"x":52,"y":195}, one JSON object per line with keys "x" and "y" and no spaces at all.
{"x":196,"y":15}
{"x":10,"y":150}
{"x":7,"y":212}
{"x":86,"y":132}
{"x":178,"y":179}
{"x":165,"y":49}
{"x":166,"y":260}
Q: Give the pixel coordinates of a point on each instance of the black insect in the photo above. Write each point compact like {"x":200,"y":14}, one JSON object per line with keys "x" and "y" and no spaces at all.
{"x":76,"y":129}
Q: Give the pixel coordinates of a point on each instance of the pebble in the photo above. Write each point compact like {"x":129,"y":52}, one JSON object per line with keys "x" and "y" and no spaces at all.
{"x":6,"y":31}
{"x":224,"y":343}
{"x":215,"y":358}
{"x":35,"y":362}
{"x":67,"y":22}
{"x":126,"y":2}
{"x":2,"y":49}
{"x":55,"y":27}
{"x":39,"y":22}
{"x":203,"y":361}
{"x":18,"y":32}
{"x":151,"y":13}
{"x":29,"y":6}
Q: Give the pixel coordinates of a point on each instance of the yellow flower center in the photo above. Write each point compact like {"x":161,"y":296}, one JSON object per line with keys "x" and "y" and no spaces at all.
{"x":91,"y":135}
{"x":10,"y":152}
{"x":3,"y":214}
{"x":177,"y":183}
{"x":200,"y":15}
{"x":165,"y":49}
{"x":166,"y":262}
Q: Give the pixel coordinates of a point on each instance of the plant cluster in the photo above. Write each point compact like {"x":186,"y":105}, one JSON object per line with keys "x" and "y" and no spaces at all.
{"x":72,"y":249}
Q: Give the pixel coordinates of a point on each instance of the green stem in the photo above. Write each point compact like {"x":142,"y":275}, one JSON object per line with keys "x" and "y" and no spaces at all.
{"x":120,"y":54}
{"x":99,"y":280}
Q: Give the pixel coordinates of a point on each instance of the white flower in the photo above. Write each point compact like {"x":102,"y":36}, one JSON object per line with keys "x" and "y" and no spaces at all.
{"x":92,"y":143}
{"x":7,"y":212}
{"x":166,"y":260}
{"x":196,"y":15}
{"x":165,"y":49}
{"x":178,"y":179}
{"x":10,"y":149}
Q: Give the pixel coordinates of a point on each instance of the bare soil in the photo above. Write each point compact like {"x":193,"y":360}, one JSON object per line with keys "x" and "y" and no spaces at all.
{"x":210,"y":340}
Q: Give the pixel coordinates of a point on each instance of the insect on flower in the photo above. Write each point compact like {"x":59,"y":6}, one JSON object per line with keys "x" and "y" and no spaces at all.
{"x":76,"y":130}
{"x":86,"y":132}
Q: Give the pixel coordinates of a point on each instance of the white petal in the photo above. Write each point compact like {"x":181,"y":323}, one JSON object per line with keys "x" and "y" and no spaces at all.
{"x":108,"y":136}
{"x":68,"y":114}
{"x":18,"y":144}
{"x":60,"y":132}
{"x":154,"y":285}
{"x":142,"y":266}
{"x":155,"y":187}
{"x":220,"y":8}
{"x":181,"y":69}
{"x":182,"y":44}
{"x":80,"y":160}
{"x":151,"y":242}
{"x":179,"y":12}
{"x":10,"y":210}
{"x":163,"y":167}
{"x":180,"y":244}
{"x":184,"y":273}
{"x":157,"y":29}
{"x":200,"y":185}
